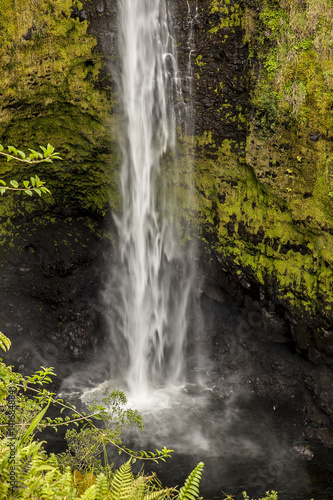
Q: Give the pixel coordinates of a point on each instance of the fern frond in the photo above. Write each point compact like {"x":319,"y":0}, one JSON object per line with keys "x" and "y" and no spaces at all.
{"x":5,"y":343}
{"x":89,"y":494}
{"x":122,"y":482}
{"x":190,"y":490}
{"x":102,"y":487}
{"x":65,"y":484}
{"x":158,"y":495}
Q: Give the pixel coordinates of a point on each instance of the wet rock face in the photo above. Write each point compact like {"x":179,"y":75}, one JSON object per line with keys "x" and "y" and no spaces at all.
{"x":50,"y":296}
{"x":253,"y":350}
{"x":270,"y":318}
{"x":220,"y":67}
{"x":252,"y":341}
{"x":269,"y":234}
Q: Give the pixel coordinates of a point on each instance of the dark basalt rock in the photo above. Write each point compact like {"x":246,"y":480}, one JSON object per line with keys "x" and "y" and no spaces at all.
{"x":50,"y":294}
{"x":255,"y":337}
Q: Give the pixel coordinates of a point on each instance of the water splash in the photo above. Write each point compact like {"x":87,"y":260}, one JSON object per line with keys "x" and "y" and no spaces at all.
{"x":152,"y":275}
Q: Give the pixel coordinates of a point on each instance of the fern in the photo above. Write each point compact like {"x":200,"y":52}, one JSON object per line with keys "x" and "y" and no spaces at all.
{"x":121,"y":484}
{"x":190,"y":490}
{"x":90,"y":494}
{"x":66,"y":484}
{"x":102,"y":488}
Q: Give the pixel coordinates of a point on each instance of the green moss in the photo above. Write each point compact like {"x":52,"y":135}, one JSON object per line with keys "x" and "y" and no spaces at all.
{"x":230,"y":16}
{"x":199,"y":62}
{"x":248,"y":221}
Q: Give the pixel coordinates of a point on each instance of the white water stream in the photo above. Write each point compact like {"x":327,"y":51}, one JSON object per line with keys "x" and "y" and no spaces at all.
{"x":154,"y":291}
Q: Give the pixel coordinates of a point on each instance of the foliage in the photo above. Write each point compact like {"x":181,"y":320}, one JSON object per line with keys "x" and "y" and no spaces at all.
{"x":34,"y":157}
{"x":190,"y":490}
{"x":293,"y":99}
{"x":34,"y":185}
{"x":293,"y":41}
{"x":26,"y":471}
{"x":124,"y":486}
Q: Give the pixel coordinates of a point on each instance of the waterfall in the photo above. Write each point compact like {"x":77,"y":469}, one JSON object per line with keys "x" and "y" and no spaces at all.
{"x":151,"y":272}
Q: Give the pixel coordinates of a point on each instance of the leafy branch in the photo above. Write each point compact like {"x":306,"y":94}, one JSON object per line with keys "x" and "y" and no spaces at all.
{"x":48,"y":154}
{"x":34,"y":185}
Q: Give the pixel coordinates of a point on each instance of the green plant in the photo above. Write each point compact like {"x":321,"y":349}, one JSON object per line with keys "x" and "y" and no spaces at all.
{"x":293,"y":42}
{"x":190,"y":490}
{"x":270,"y":495}
{"x":26,"y":471}
{"x":34,"y":157}
{"x":125,"y":486}
{"x":34,"y":185}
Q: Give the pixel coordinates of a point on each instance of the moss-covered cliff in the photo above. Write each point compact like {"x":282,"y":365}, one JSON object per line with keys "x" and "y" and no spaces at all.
{"x":264,"y":167}
{"x":52,"y":90}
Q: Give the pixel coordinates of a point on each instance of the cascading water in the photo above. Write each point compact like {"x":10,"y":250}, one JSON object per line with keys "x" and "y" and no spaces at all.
{"x":152,"y":310}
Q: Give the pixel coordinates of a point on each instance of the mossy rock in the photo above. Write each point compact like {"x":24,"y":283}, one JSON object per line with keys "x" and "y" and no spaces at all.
{"x":264,"y":202}
{"x":52,"y":92}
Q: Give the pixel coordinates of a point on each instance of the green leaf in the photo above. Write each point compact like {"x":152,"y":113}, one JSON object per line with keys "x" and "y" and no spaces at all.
{"x":35,"y":421}
{"x":26,"y":184}
{"x":50,"y":149}
{"x":44,"y":467}
{"x":190,"y":490}
{"x":1,"y":147}
{"x":33,"y":182}
{"x":35,"y":154}
{"x":14,"y":184}
{"x":45,"y":151}
{"x":21,"y":154}
{"x":2,"y":190}
{"x":9,"y":158}
{"x":38,"y":191}
{"x":330,"y":194}
{"x":2,"y":182}
{"x":5,"y":342}
{"x":27,"y":191}
{"x":11,"y":149}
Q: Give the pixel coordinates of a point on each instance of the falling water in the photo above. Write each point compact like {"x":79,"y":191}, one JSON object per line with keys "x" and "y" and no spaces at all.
{"x":154,"y":288}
